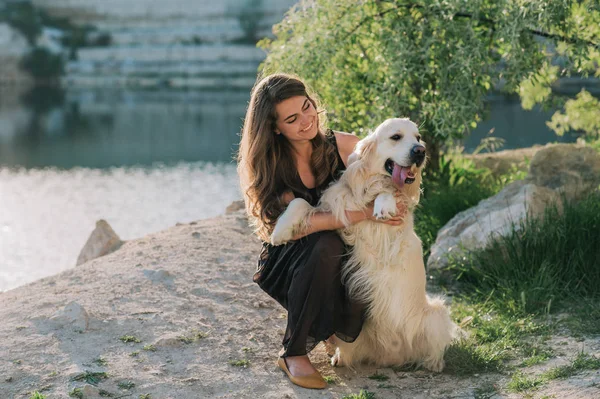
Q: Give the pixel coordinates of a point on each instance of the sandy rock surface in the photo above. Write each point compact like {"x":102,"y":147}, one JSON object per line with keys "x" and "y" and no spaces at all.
{"x":204,"y":329}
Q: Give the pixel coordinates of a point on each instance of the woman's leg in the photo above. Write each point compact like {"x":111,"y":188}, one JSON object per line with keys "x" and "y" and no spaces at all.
{"x":310,"y":297}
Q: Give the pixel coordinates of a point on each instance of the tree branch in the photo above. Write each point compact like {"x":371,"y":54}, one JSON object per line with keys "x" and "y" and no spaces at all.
{"x":487,"y":21}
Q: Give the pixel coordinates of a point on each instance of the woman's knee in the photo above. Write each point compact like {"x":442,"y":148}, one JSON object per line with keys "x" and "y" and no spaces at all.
{"x":330,"y":249}
{"x":329,"y":242}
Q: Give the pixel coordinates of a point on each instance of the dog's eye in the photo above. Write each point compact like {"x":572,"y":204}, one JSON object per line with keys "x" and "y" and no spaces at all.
{"x":419,"y":139}
{"x":396,"y":137}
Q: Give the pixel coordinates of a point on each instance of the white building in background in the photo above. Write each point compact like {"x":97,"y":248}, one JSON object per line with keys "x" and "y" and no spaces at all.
{"x":174,"y":43}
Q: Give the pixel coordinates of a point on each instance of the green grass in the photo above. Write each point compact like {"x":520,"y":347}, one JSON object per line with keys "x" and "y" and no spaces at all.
{"x":130,"y":338}
{"x":37,"y":395}
{"x":521,"y":382}
{"x":100,"y":361}
{"x":544,"y":264}
{"x":149,"y":348}
{"x":330,"y":380}
{"x":76,"y":393}
{"x":91,"y":377}
{"x":125,"y":384}
{"x":240,"y":363}
{"x":361,"y":395}
{"x":493,"y":337}
{"x":379,"y":377}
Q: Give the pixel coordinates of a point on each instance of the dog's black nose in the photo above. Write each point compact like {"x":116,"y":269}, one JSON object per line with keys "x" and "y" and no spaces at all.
{"x":417,"y":154}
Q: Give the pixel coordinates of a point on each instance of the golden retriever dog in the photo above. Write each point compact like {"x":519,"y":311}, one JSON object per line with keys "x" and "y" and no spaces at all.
{"x":385,"y":267}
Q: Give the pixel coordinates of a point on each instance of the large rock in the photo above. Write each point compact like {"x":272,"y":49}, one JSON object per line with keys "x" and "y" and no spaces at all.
{"x":473,"y":228}
{"x":555,"y":170}
{"x":102,"y":241}
{"x":74,"y":315}
{"x":574,"y":170}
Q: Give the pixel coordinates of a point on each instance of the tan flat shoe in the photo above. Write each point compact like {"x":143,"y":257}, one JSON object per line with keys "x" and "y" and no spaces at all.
{"x":313,"y":381}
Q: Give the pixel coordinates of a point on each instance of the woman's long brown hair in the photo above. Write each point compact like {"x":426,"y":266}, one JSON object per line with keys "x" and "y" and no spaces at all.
{"x":266,"y":164}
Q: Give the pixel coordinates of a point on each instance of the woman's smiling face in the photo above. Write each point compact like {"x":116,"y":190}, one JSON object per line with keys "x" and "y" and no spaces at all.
{"x":297,"y":119}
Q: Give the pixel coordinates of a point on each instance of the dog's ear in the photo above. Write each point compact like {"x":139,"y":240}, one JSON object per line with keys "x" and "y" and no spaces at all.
{"x":365,"y":148}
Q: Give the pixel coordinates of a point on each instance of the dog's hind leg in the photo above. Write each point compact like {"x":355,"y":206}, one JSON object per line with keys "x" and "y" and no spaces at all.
{"x":291,"y":221}
{"x":439,"y":332}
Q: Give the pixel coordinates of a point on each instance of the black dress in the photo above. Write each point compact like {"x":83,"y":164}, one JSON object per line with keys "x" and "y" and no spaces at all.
{"x":304,"y":277}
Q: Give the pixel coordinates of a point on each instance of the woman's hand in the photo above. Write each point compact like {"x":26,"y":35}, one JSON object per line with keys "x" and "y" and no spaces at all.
{"x":396,"y":220}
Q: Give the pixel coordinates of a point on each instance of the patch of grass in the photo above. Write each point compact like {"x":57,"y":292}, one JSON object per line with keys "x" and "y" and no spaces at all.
{"x":379,"y":377}
{"x":125,"y":384}
{"x":405,"y":368}
{"x":100,"y":361}
{"x":330,"y":380}
{"x":361,"y":395}
{"x":134,"y":354}
{"x":76,"y":393}
{"x":544,"y":263}
{"x":240,"y":363}
{"x":486,"y":391}
{"x":37,"y":395}
{"x":584,"y":317}
{"x":521,"y":382}
{"x":105,"y":394}
{"x":583,"y":361}
{"x":196,"y":335}
{"x":536,"y":355}
{"x":385,"y":386}
{"x":130,"y":338}
{"x":493,"y":337}
{"x":149,"y":348}
{"x":247,"y":350}
{"x":91,"y":377}
{"x":145,"y":396}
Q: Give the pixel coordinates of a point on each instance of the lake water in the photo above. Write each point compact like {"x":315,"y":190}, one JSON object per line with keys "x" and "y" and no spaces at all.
{"x":142,"y":160}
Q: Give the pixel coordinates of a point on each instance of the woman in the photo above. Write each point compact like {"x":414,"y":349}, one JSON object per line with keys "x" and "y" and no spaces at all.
{"x":284,"y":153}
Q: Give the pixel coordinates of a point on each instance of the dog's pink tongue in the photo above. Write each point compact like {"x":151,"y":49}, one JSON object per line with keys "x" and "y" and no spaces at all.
{"x":399,"y":175}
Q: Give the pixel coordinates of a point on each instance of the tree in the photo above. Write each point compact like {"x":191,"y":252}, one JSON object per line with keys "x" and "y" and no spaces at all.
{"x":434,"y":61}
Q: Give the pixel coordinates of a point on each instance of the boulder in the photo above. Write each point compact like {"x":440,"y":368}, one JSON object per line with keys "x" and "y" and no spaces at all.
{"x":571,"y":169}
{"x":235,"y":206}
{"x":74,"y":315}
{"x":102,"y":241}
{"x":557,"y":170}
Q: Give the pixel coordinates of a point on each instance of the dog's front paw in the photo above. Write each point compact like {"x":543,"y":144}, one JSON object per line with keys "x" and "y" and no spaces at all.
{"x":385,"y":206}
{"x":289,"y":221}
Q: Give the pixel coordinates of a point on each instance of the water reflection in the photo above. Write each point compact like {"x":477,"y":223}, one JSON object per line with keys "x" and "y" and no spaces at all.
{"x":104,"y":128}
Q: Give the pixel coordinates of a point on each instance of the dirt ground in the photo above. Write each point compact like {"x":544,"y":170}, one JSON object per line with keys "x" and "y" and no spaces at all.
{"x":205,"y":330}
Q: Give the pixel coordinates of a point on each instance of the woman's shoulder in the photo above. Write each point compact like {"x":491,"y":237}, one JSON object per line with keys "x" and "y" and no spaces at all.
{"x":345,"y":143}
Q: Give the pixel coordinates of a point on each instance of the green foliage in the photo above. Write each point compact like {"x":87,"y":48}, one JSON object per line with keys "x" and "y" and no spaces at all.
{"x":570,"y":58}
{"x":361,"y":395}
{"x":130,"y":338}
{"x":37,"y":395}
{"x":433,"y":61}
{"x":493,"y":337}
{"x":91,"y":377}
{"x":521,"y":382}
{"x":25,"y":18}
{"x":543,"y":262}
{"x":581,"y":114}
{"x":42,"y":64}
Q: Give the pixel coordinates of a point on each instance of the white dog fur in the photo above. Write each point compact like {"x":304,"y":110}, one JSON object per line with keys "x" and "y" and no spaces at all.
{"x":385,"y":268}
